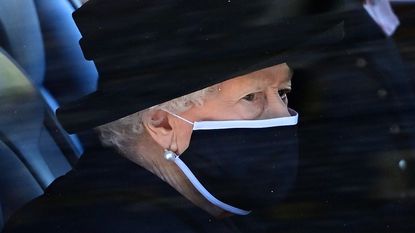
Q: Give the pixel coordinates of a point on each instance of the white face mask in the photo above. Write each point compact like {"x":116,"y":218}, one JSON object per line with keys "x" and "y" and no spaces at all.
{"x":243,"y":124}
{"x":222,"y":150}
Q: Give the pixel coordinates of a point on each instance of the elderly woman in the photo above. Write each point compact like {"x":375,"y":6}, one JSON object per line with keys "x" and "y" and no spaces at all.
{"x":192,"y":106}
{"x":168,"y":128}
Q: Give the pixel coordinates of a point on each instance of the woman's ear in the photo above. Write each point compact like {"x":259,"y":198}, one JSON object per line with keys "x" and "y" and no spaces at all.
{"x":157,"y":124}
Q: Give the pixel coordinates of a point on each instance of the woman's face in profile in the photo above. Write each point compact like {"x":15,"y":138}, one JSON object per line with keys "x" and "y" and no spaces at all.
{"x":258,"y":95}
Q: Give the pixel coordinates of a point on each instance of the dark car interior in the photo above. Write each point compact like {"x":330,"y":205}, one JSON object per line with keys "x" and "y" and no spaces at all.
{"x":42,"y":67}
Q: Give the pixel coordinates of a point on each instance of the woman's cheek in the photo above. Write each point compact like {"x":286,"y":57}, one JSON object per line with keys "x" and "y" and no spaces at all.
{"x":251,"y":110}
{"x":184,"y":136}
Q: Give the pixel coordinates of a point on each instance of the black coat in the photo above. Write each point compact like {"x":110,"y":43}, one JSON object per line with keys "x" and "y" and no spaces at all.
{"x":357,"y":137}
{"x":106,"y":192}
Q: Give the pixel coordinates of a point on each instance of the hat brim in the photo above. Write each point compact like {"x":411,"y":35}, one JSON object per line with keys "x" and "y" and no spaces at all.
{"x":101,"y":107}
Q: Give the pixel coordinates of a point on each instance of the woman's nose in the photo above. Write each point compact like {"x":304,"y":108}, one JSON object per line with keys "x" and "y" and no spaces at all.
{"x":275,"y":106}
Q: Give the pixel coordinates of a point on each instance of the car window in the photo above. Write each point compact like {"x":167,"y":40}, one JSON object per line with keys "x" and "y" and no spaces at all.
{"x":330,"y":126}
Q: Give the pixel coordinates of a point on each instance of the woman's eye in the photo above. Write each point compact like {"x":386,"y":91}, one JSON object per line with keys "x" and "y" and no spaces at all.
{"x":283,"y":93}
{"x":249,"y":97}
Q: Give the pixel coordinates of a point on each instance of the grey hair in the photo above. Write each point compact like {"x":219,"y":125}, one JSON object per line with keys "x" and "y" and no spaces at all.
{"x":123,"y":133}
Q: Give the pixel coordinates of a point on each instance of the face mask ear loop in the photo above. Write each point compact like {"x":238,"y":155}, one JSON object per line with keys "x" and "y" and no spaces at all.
{"x":181,"y":118}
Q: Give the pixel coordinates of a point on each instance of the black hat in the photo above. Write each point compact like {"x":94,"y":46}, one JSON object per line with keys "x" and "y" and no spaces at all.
{"x":151,"y":51}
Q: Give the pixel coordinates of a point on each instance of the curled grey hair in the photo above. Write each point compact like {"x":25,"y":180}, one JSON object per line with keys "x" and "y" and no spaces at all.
{"x":123,"y":133}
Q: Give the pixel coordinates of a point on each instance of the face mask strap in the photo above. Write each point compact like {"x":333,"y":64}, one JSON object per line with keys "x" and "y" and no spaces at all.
{"x":189,"y":174}
{"x":181,"y":118}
